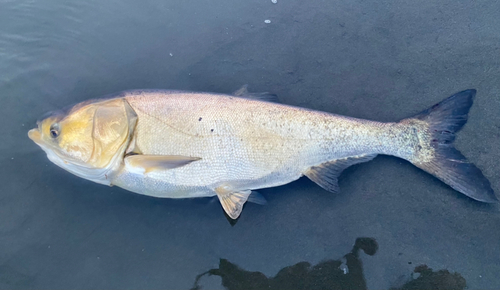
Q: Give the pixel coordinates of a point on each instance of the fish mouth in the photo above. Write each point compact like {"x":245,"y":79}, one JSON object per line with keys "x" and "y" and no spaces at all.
{"x":35,"y":135}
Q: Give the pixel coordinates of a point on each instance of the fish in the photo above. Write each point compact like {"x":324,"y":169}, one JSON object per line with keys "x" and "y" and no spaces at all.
{"x":181,"y":144}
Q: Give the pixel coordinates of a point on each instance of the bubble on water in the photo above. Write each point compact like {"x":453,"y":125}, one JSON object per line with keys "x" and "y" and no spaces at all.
{"x":274,"y":1}
{"x":267,"y":21}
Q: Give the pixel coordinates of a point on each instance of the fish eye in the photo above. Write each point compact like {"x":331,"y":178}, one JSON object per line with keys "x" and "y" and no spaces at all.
{"x":54,"y":130}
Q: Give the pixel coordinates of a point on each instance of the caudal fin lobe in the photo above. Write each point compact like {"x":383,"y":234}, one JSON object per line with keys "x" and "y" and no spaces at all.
{"x":442,"y":160}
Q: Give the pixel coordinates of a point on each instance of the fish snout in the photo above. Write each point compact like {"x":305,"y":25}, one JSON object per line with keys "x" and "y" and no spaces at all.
{"x":35,"y":135}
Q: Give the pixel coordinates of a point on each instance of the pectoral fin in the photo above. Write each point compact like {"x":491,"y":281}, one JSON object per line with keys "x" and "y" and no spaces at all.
{"x":232,"y":202}
{"x":326,"y":174}
{"x":149,"y":163}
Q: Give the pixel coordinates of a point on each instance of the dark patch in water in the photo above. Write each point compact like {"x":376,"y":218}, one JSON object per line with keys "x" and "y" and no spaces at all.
{"x":345,"y":273}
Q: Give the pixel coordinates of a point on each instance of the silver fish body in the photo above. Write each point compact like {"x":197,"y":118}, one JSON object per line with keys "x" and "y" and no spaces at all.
{"x":242,"y":143}
{"x":185,"y":144}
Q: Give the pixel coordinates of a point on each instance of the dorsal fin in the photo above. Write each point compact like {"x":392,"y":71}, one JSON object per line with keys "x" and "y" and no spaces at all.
{"x":243,"y":93}
{"x":326,"y":174}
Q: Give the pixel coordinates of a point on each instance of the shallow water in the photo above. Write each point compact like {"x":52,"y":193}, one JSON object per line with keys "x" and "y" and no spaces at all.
{"x":375,"y":60}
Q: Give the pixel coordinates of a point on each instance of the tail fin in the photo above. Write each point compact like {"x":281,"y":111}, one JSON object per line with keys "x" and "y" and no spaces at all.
{"x":445,"y":162}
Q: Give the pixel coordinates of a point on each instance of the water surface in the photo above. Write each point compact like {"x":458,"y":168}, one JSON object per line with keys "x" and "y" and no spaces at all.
{"x":380,"y":60}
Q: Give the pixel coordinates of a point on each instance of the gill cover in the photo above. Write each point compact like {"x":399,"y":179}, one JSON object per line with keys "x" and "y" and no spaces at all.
{"x":114,"y":122}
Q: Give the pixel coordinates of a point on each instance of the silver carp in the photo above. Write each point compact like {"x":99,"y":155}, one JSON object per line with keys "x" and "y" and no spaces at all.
{"x":177,"y":144}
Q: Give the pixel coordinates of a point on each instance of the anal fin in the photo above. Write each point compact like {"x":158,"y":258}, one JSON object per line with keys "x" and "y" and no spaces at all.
{"x":326,"y":174}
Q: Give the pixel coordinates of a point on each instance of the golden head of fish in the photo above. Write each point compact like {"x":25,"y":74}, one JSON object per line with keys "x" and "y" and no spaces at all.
{"x":90,"y":140}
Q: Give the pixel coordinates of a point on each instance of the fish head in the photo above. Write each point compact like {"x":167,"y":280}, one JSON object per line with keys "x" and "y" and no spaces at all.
{"x":90,"y":139}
